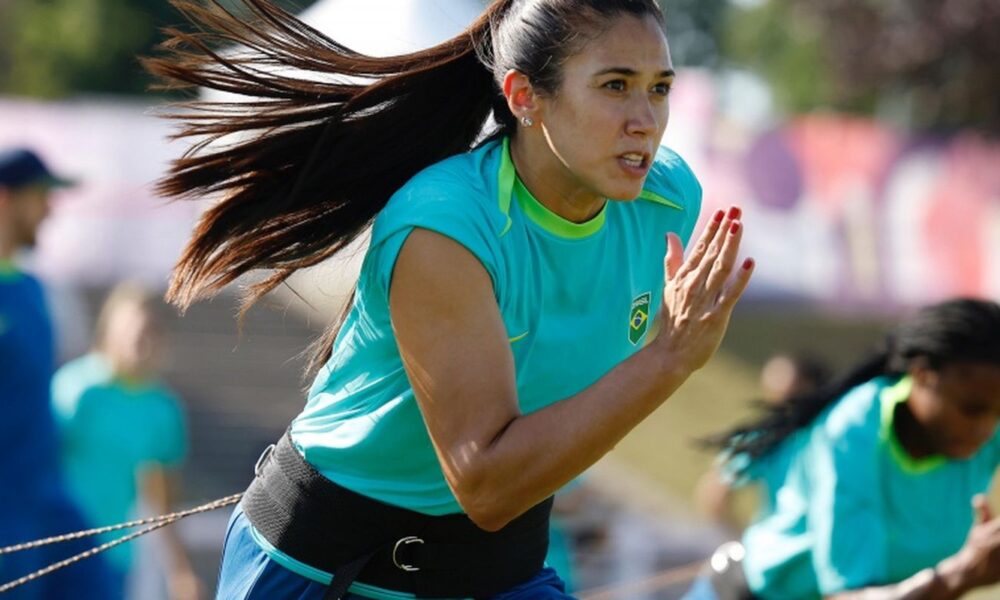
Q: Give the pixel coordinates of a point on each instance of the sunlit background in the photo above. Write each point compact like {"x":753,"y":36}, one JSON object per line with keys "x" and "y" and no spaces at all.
{"x":861,"y":139}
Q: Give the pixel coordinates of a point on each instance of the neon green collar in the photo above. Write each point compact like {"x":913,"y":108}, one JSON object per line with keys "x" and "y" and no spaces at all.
{"x":890,"y":398}
{"x":510,"y":186}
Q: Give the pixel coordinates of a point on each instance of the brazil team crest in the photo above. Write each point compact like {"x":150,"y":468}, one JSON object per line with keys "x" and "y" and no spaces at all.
{"x":638,"y":317}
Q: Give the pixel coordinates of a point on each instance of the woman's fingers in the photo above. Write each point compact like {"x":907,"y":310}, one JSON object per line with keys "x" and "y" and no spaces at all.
{"x":707,"y":236}
{"x":725,"y":258}
{"x":707,"y":271}
{"x":714,"y":251}
{"x":735,"y":288}
{"x":982,"y":509}
{"x":675,"y":256}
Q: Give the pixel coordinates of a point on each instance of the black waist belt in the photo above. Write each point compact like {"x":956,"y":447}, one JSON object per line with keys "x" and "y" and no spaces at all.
{"x":321,"y":524}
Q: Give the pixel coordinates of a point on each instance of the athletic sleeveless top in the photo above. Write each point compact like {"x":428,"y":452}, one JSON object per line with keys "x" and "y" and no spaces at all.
{"x":850,"y":508}
{"x":576,"y":299}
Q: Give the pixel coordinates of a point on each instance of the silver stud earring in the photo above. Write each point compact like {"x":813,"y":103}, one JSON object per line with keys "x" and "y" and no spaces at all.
{"x":527,"y":122}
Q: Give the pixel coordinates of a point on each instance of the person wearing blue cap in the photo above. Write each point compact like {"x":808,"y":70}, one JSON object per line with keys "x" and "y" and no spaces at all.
{"x":33,"y":501}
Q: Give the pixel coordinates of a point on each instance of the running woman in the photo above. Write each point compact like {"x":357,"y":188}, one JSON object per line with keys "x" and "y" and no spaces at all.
{"x":874,"y":485}
{"x":501,"y":335}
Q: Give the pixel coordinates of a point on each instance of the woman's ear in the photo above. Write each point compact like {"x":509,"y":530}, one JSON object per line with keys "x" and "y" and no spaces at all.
{"x":921,"y":372}
{"x":522,"y":100}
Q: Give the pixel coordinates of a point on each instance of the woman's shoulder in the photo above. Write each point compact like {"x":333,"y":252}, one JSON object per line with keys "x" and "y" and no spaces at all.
{"x":672,"y":182}
{"x":461,"y":187}
{"x":856,"y":415}
{"x":458,"y":179}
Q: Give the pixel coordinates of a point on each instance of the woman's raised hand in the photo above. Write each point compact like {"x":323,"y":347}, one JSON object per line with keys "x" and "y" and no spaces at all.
{"x":700,"y":292}
{"x":978,"y":562}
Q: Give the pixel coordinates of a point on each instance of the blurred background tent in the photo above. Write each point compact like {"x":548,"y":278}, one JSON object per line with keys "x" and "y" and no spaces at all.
{"x":860,"y":138}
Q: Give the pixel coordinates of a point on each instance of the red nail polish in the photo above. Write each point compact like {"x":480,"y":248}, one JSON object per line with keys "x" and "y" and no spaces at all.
{"x":718,"y":216}
{"x":735,"y":227}
{"x":735,"y":212}
{"x":748,"y":264}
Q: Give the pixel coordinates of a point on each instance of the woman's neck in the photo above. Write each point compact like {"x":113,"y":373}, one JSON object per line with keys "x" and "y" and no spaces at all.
{"x":911,"y":434}
{"x":550,"y":182}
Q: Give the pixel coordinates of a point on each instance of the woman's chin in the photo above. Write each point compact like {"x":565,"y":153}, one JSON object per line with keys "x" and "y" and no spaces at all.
{"x":624,"y":193}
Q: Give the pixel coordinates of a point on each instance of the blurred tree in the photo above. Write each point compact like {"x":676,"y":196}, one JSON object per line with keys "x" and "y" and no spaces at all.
{"x":931,"y":64}
{"x":694,"y":28}
{"x":54,"y":48}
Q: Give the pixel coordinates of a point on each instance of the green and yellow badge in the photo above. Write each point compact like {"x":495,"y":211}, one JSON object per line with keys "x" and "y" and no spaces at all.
{"x":638,"y":317}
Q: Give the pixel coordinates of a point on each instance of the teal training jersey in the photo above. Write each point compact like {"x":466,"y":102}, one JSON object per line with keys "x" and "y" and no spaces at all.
{"x":576,"y":300}
{"x":110,"y":431}
{"x":853,"y":509}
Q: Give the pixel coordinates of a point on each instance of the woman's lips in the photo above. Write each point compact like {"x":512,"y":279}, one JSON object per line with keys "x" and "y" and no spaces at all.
{"x":634,"y":164}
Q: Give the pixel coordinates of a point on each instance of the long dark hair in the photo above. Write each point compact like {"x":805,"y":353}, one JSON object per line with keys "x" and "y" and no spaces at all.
{"x":324,"y":154}
{"x":956,"y":331}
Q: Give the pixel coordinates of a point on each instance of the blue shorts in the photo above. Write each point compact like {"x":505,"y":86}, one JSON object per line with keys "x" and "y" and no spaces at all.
{"x":48,"y":514}
{"x":248,"y":573}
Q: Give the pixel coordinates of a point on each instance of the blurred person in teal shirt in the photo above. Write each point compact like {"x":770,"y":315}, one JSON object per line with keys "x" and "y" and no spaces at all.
{"x":874,"y":485}
{"x":783,"y":376}
{"x":34,"y":503}
{"x":123,"y":430}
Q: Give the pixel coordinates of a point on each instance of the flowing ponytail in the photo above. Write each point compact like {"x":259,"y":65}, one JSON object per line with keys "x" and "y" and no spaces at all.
{"x":956,"y":331}
{"x":317,"y":158}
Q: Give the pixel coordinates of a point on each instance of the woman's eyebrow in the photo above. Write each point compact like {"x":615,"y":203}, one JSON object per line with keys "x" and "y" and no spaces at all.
{"x":626,"y":71}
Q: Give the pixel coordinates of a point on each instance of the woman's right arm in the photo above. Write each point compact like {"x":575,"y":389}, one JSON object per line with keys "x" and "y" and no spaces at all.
{"x":977,"y":564}
{"x":499,"y":462}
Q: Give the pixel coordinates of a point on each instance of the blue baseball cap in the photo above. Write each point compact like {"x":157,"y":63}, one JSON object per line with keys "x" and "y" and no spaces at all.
{"x":20,"y":167}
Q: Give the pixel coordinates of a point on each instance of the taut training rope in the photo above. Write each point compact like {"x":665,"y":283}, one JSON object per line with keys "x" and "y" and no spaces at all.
{"x":153,"y":522}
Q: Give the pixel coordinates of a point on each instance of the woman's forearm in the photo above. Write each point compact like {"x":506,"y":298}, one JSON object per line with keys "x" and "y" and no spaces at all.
{"x":517,"y":470}
{"x":945,"y":582}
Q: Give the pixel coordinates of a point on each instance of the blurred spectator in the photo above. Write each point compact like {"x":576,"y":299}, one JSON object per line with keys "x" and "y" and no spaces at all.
{"x":786,"y":375}
{"x":33,"y":501}
{"x":122,"y":428}
{"x":782,"y":377}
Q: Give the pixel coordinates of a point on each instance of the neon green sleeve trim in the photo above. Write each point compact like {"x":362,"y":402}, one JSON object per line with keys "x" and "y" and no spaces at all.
{"x":658,"y":199}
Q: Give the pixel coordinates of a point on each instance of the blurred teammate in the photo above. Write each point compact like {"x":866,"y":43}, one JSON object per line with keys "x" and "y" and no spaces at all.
{"x":875,"y":483}
{"x":33,"y":501}
{"x":122,"y":428}
{"x":782,"y":377}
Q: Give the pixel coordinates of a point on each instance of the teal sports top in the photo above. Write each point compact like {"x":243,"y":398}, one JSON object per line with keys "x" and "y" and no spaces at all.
{"x":111,"y":430}
{"x":576,"y":299}
{"x":849,"y":508}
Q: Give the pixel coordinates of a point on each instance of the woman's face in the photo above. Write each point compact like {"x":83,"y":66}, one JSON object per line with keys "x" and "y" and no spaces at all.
{"x":605,"y":121}
{"x":958,"y":406}
{"x":133,"y":342}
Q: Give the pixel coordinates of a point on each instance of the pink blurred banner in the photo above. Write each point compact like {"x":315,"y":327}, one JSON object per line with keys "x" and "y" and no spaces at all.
{"x":849,"y":211}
